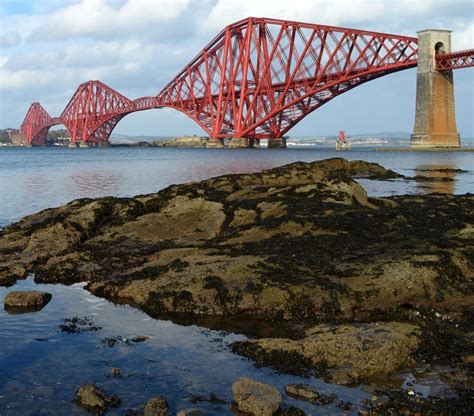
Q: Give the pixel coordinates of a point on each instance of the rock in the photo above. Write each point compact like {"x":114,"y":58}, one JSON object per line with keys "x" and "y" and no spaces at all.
{"x":139,"y":339}
{"x":94,"y":399}
{"x":256,"y":398}
{"x":27,"y":300}
{"x":157,"y":406}
{"x":291,"y":411}
{"x":299,"y":243}
{"x":344,"y":354}
{"x":190,"y":412}
{"x":116,"y":372}
{"x":302,"y":392}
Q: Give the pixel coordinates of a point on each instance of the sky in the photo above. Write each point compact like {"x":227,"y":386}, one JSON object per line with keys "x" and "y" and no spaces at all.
{"x":49,"y":47}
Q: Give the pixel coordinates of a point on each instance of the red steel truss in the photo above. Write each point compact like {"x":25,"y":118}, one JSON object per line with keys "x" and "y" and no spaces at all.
{"x":259,"y":77}
{"x":256,"y":79}
{"x":36,"y":124}
{"x":455,"y":60}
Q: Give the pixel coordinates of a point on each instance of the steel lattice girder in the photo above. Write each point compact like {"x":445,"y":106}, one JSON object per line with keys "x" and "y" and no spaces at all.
{"x":93,"y":112}
{"x":36,"y":124}
{"x":256,"y":79}
{"x":455,"y":60}
{"x":259,"y":77}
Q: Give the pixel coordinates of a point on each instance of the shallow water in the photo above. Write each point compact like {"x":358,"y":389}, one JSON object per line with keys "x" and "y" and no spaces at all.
{"x":41,"y":367}
{"x":32,"y":179}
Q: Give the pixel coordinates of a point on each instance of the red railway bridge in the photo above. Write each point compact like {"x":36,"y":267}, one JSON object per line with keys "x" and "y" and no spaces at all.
{"x":257,"y":79}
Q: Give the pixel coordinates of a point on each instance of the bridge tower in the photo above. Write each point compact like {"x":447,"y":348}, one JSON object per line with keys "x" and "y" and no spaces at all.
{"x":435,"y":119}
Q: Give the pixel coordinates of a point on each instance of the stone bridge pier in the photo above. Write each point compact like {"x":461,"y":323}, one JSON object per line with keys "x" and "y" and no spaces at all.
{"x":435,"y":119}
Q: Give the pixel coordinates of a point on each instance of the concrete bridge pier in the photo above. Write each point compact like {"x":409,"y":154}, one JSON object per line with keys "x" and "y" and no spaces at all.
{"x":215,"y":144}
{"x":435,"y":119}
{"x":243,"y":142}
{"x":277,"y":143}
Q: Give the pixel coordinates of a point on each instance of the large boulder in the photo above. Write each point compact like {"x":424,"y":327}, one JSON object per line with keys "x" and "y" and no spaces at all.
{"x":256,"y":398}
{"x":26,"y":300}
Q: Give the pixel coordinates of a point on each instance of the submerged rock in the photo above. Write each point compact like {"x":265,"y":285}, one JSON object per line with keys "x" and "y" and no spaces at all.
{"x":302,"y":392}
{"x":157,"y":406}
{"x":256,"y":398}
{"x":190,"y":412}
{"x":94,"y":399}
{"x":33,"y":299}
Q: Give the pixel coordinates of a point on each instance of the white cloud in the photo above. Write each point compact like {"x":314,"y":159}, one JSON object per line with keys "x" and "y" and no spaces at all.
{"x":10,"y":39}
{"x":463,"y":37}
{"x":11,"y":80}
{"x":97,"y":18}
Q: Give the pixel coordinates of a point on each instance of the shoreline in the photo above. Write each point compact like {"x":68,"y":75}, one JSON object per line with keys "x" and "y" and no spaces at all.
{"x":391,"y":271}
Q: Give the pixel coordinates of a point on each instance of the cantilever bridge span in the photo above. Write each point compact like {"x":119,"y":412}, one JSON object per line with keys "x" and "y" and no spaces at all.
{"x":256,"y":79}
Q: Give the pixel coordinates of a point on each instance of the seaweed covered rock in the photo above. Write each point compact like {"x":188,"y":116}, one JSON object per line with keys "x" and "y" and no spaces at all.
{"x":157,"y":406}
{"x":255,"y":398}
{"x":348,"y":354}
{"x":95,"y":400}
{"x":302,"y":242}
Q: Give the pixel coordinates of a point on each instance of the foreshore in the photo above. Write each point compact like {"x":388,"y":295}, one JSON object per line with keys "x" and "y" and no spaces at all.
{"x":364,"y":287}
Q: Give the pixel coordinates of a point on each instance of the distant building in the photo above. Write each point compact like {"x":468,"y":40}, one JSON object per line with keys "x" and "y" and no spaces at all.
{"x":16,"y":136}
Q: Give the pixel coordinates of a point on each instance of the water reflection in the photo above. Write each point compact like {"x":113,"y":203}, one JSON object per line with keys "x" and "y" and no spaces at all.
{"x":36,"y":185}
{"x":440,"y":178}
{"x":94,"y":183}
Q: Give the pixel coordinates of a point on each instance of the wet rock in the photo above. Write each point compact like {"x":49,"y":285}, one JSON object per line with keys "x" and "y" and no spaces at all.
{"x":302,"y":392}
{"x":256,"y":398}
{"x":95,"y":400}
{"x":139,"y":339}
{"x":77,"y":325}
{"x":349,"y":353}
{"x":190,"y":412}
{"x":157,"y":406}
{"x":290,"y":411}
{"x":34,"y":300}
{"x":250,"y":234}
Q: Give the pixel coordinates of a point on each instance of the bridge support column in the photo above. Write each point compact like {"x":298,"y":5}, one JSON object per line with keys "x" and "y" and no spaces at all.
{"x":215,"y":144}
{"x":435,"y":119}
{"x":277,"y":143}
{"x":242,"y":142}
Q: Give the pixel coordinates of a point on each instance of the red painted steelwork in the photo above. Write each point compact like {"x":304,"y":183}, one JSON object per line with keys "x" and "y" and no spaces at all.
{"x":36,"y":124}
{"x":455,"y":60}
{"x":259,"y":77}
{"x":256,"y":79}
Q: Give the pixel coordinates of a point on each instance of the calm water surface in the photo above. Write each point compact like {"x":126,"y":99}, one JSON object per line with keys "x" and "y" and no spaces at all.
{"x":32,"y":179}
{"x":41,"y":367}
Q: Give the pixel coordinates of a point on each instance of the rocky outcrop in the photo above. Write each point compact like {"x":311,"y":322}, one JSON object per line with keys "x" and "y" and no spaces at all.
{"x":27,"y":300}
{"x":343,"y":354}
{"x":157,"y":406}
{"x":300,"y":242}
{"x":256,"y":398}
{"x":368,"y":280}
{"x":94,"y":399}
